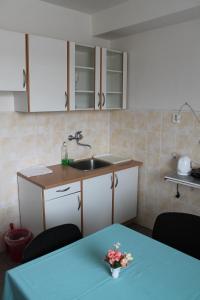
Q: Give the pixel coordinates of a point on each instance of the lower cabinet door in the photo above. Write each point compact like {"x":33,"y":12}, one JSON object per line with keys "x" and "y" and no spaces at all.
{"x":97,"y":203}
{"x":63,"y":210}
{"x":125,"y":195}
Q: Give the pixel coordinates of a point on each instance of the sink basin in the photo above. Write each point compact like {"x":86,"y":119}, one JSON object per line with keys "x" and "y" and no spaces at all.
{"x":89,"y":164}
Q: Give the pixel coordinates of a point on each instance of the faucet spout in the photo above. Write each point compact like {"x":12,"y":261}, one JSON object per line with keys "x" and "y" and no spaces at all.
{"x":85,"y":145}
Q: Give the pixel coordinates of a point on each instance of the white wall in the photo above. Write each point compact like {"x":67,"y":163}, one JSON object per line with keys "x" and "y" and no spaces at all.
{"x":164,"y":67}
{"x":37,"y":17}
{"x":136,"y":12}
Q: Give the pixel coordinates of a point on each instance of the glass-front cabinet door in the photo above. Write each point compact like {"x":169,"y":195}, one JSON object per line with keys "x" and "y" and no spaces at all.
{"x":84,"y":77}
{"x":113,"y":79}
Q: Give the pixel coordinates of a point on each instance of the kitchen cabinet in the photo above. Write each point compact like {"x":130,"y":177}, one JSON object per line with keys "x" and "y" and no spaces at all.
{"x":46,"y":76}
{"x":113,"y":79}
{"x":12,"y":61}
{"x":42,"y":209}
{"x":125,"y":195}
{"x":65,"y":209}
{"x":92,"y":200}
{"x":84,"y":77}
{"x":97,"y":78}
{"x":97,"y":203}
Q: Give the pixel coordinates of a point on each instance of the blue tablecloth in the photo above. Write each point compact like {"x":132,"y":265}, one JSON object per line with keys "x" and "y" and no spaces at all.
{"x":78,"y":271}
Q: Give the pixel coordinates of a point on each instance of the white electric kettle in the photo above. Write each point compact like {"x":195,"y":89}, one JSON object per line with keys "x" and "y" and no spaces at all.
{"x":184,"y":166}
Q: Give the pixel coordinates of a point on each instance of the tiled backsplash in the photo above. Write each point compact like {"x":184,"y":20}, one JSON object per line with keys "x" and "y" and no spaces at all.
{"x":152,"y":138}
{"x":28,"y":139}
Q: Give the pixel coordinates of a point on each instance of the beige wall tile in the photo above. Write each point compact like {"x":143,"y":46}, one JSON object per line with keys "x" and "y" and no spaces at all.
{"x":168,"y":142}
{"x":153,"y":120}
{"x":151,"y":137}
{"x":154,"y":142}
{"x":140,"y":119}
{"x":187,"y":122}
{"x":36,"y":138}
{"x":155,"y":138}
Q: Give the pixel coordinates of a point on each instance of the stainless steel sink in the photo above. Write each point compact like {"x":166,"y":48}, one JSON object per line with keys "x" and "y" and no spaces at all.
{"x":89,"y":164}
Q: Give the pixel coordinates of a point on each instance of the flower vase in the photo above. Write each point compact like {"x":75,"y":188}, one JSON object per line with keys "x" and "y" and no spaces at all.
{"x":115,"y":272}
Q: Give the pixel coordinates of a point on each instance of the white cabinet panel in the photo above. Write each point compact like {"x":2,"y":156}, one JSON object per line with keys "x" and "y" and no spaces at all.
{"x":30,"y":206}
{"x":39,"y":211}
{"x":97,"y":203}
{"x":12,"y":61}
{"x":125,"y":195}
{"x":47,"y":74}
{"x":63,"y":210}
{"x":62,"y":190}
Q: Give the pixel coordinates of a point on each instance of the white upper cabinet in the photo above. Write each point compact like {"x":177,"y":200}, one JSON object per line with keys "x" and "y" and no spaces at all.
{"x":113,"y":79}
{"x":97,"y":78}
{"x":46,"y":76}
{"x":12,"y":61}
{"x":84,"y":77}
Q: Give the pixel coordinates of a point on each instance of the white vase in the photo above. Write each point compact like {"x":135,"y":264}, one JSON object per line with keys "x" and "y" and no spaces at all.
{"x":115,"y":272}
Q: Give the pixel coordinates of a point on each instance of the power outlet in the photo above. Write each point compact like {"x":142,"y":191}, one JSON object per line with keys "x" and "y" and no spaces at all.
{"x":176,"y":118}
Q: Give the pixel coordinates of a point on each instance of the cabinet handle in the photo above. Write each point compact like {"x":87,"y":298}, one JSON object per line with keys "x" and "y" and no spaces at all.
{"x":61,"y":191}
{"x":79,"y":202}
{"x":117,"y":181}
{"x":99,"y":103}
{"x":112,"y":182}
{"x":24,"y":78}
{"x":104,"y":99}
{"x":66,"y":99}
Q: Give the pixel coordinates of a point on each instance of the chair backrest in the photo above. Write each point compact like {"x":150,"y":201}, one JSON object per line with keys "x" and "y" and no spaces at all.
{"x":180,"y":231}
{"x":50,"y":240}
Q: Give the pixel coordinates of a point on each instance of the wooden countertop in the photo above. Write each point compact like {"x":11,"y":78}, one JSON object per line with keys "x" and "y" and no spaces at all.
{"x":66,"y":174}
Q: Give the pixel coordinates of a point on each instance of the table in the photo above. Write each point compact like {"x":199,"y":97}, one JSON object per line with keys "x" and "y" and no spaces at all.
{"x":78,"y":271}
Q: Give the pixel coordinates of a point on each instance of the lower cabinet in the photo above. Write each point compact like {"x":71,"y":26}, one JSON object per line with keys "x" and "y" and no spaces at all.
{"x":41,"y":209}
{"x":97,"y":203}
{"x":105,"y":199}
{"x":125,"y":195}
{"x":65,"y":209}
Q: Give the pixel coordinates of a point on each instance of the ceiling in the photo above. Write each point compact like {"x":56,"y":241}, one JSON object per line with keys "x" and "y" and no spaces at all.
{"x":86,"y":6}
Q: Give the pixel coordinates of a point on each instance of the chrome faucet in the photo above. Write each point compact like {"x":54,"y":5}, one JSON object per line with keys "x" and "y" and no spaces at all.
{"x":78,"y":136}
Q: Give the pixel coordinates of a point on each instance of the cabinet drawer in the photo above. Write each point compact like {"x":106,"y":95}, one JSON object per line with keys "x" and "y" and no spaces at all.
{"x":62,"y":190}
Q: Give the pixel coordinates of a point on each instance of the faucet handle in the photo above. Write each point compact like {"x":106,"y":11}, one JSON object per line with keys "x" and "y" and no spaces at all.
{"x":70,"y":137}
{"x":79,"y":135}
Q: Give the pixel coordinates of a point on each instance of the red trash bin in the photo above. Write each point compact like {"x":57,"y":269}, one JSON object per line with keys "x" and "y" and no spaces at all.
{"x":16,"y":240}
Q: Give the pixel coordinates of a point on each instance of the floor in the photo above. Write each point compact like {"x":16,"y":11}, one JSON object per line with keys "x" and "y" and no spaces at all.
{"x":6,"y":263}
{"x":141,"y":229}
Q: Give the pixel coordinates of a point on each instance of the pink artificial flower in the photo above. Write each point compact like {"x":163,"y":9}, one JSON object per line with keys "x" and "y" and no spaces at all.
{"x":116,"y":258}
{"x":114,"y":255}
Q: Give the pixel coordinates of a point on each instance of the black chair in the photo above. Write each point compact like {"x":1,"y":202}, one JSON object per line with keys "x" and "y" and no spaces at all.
{"x":50,"y":240}
{"x":180,"y":231}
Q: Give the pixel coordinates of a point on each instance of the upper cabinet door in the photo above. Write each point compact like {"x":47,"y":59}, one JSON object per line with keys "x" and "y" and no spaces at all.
{"x":46,"y":74}
{"x":113,"y":79}
{"x":12,"y":61}
{"x":84,"y":77}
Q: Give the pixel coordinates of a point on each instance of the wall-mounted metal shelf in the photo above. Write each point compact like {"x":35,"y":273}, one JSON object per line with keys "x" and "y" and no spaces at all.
{"x":184,"y":180}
